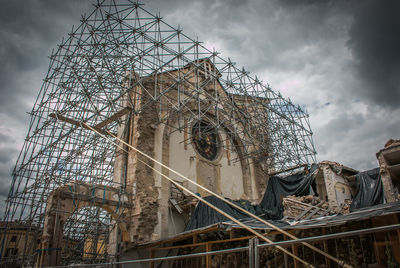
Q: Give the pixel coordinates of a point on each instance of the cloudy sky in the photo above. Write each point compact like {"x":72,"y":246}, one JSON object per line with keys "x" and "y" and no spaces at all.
{"x":339,"y":59}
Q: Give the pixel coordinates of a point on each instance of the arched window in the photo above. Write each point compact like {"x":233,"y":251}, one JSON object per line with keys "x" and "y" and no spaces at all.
{"x":86,"y":234}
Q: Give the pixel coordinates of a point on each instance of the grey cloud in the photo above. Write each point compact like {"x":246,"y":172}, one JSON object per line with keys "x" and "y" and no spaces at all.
{"x":6,"y":138}
{"x":4,"y":171}
{"x":8,"y":157}
{"x":279,"y":34}
{"x":5,"y":181}
{"x":353,"y":137}
{"x":374,"y":42}
{"x":7,"y":154}
{"x":267,"y":34}
{"x":28,"y":31}
{"x":4,"y":158}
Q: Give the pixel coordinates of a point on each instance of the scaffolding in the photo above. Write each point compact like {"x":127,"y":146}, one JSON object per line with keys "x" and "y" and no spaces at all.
{"x":117,"y":49}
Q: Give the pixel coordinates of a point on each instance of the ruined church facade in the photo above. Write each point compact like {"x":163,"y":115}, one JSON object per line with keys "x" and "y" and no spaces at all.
{"x":197,"y":146}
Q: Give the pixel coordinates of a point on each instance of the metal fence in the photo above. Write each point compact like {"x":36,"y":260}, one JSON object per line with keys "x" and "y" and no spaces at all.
{"x":372,"y":247}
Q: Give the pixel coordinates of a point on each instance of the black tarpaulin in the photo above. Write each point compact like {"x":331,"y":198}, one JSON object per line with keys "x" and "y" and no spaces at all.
{"x":298,"y":184}
{"x":270,"y":207}
{"x":369,"y":189}
{"x":203,"y":215}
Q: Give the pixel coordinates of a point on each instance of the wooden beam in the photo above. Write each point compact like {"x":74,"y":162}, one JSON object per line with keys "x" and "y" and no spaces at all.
{"x":180,"y":237}
{"x":295,"y":252}
{"x":326,"y":249}
{"x":296,"y":263}
{"x":232,"y":239}
{"x":182,"y":246}
{"x":303,"y":213}
{"x":231,"y":234}
{"x":114,"y":117}
{"x":315,"y":211}
{"x":208,"y":257}
{"x":194,"y":239}
{"x":398,"y":234}
{"x":74,"y":122}
{"x":285,"y":256}
{"x":301,"y":203}
{"x":152,"y":257}
{"x":205,"y":243}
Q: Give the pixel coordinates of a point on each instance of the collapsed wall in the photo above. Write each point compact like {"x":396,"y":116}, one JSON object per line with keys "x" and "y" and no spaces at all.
{"x":389,"y":166}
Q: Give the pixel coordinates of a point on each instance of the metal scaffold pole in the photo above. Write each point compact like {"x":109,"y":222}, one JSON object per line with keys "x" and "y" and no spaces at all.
{"x":111,"y":67}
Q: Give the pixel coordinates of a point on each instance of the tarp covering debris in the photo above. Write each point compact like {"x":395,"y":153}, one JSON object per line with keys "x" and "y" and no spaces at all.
{"x":298,"y":184}
{"x":269,"y":208}
{"x":204,"y":215}
{"x":369,"y":189}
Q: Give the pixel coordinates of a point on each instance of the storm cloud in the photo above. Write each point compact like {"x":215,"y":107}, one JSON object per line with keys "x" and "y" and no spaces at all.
{"x":374,"y":40}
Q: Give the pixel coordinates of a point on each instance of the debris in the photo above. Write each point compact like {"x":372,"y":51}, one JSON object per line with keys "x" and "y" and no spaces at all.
{"x":304,"y":207}
{"x":345,"y":208}
{"x":392,"y":142}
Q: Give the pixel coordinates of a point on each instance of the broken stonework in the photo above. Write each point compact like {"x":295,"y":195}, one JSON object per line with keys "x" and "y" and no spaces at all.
{"x":389,"y":165}
{"x":304,"y":207}
{"x":144,"y":217}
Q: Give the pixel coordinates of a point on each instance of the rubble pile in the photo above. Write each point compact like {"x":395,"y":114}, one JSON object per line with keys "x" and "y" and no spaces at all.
{"x":310,"y":207}
{"x":304,"y":207}
{"x":345,"y":208}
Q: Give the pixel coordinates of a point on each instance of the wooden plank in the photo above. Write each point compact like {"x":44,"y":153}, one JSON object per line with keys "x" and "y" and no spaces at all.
{"x":296,"y":263}
{"x":303,"y":213}
{"x":232,"y":239}
{"x":205,"y":243}
{"x":395,"y":245}
{"x":65,"y":119}
{"x":308,"y":205}
{"x":300,"y":203}
{"x":295,"y":252}
{"x":398,"y":234}
{"x":182,"y":246}
{"x":114,"y":117}
{"x":151,"y":257}
{"x":326,"y":249}
{"x":208,"y":257}
{"x":179,"y":237}
{"x":74,"y":122}
{"x":194,"y":239}
{"x":285,"y":256}
{"x":312,"y":213}
{"x":231,"y":234}
{"x":380,"y":254}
